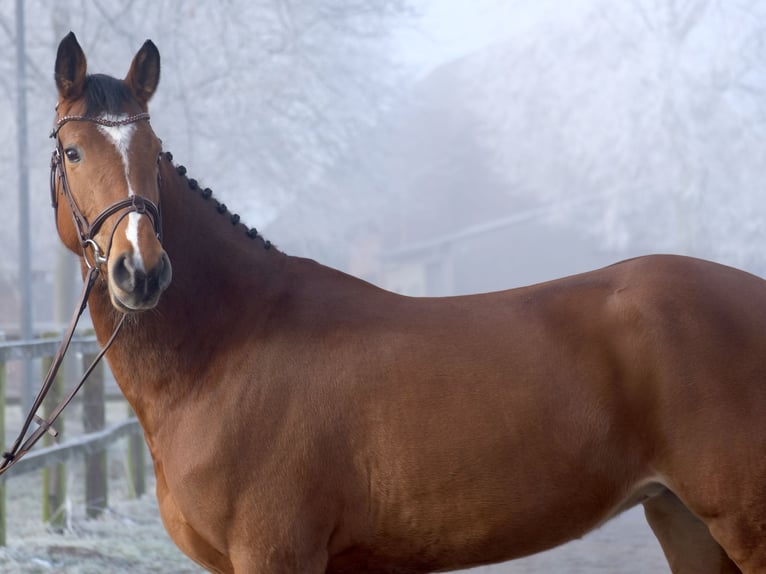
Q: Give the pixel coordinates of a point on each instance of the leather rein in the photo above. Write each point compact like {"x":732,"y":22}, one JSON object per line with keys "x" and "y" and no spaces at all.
{"x":87,"y":232}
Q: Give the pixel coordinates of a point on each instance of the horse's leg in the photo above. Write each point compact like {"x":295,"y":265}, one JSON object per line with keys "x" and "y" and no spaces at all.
{"x":742,"y":532}
{"x":250,"y":561}
{"x":185,"y":537}
{"x":685,"y":539}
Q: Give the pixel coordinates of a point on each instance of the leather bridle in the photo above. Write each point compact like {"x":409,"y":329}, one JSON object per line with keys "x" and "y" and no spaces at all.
{"x":133,"y":204}
{"x":87,"y":232}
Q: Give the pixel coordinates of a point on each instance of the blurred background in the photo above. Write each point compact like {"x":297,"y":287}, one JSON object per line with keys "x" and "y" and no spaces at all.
{"x":431,"y":147}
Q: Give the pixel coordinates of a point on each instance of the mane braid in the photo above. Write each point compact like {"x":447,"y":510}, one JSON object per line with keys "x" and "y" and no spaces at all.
{"x":221,"y":208}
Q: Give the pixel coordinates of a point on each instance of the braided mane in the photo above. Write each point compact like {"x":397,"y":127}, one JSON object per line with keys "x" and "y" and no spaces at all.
{"x":207,"y":194}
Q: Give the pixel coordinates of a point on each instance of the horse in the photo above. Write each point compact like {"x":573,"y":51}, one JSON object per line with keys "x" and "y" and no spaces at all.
{"x":303,"y":421}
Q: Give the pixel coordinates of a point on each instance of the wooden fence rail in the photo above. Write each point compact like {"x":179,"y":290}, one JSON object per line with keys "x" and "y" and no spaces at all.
{"x":38,"y":348}
{"x":90,"y":446}
{"x":91,"y":443}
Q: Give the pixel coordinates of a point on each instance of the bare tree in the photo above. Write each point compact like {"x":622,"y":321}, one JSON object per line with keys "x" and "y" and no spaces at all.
{"x":258,"y":98}
{"x":655,"y":107}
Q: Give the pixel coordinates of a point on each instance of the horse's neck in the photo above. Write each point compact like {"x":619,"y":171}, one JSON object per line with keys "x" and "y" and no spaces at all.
{"x":223,"y":280}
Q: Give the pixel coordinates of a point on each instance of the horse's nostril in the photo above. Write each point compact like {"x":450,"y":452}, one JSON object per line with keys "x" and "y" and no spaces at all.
{"x":128,"y":278}
{"x":164,"y":271}
{"x":123,"y":273}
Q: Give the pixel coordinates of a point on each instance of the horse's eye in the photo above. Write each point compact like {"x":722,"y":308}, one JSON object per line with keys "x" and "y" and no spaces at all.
{"x":72,"y":154}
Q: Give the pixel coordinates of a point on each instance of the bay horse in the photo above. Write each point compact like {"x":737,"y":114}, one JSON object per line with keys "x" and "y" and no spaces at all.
{"x":303,"y":421}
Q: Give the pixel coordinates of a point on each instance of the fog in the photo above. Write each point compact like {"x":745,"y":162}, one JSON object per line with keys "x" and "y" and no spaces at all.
{"x":431,"y":147}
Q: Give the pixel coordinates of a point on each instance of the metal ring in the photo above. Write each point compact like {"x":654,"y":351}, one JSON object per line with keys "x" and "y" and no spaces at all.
{"x":98,"y":257}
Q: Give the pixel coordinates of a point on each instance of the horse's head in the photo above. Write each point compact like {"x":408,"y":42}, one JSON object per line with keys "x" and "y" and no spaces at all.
{"x":105,"y":174}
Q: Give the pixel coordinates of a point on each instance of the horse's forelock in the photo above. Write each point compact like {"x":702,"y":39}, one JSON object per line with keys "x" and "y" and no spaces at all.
{"x":105,"y":95}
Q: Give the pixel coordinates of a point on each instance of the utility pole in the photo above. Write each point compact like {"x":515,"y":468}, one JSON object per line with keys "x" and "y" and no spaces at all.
{"x":25,"y":275}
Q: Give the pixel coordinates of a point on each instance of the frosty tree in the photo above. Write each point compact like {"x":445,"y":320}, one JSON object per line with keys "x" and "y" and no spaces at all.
{"x":653,"y":111}
{"x":257,"y":98}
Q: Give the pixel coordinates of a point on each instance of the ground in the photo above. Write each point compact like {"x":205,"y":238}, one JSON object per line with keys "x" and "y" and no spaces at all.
{"x":625,"y":545}
{"x":129,"y":537}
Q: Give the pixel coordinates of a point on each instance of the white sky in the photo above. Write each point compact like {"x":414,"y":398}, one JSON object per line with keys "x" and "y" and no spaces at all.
{"x":452,"y":28}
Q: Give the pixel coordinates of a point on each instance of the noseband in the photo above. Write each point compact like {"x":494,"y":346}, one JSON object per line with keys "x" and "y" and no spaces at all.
{"x":132,"y":204}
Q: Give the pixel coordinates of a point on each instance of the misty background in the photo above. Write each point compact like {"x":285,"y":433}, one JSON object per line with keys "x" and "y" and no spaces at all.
{"x":431,"y":147}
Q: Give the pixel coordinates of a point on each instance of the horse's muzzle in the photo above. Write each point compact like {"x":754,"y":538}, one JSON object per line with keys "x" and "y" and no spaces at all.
{"x":135,"y":289}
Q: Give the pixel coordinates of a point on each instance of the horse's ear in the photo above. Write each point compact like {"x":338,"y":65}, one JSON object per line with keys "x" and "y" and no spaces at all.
{"x":144,"y":74}
{"x":70,"y":68}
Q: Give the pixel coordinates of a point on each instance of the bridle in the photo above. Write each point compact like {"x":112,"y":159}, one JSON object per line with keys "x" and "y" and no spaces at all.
{"x":87,"y":233}
{"x":132,"y":204}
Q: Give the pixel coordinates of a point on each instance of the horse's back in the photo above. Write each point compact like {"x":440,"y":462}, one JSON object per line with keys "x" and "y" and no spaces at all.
{"x":577,"y":394}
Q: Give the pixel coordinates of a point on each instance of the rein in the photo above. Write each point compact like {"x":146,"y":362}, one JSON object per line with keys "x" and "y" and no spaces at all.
{"x":87,"y":232}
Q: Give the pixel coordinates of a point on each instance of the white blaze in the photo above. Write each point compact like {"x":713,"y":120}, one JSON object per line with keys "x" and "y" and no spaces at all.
{"x":120,"y":136}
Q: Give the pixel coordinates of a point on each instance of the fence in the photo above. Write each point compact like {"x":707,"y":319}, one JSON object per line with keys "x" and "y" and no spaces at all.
{"x":51,"y":460}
